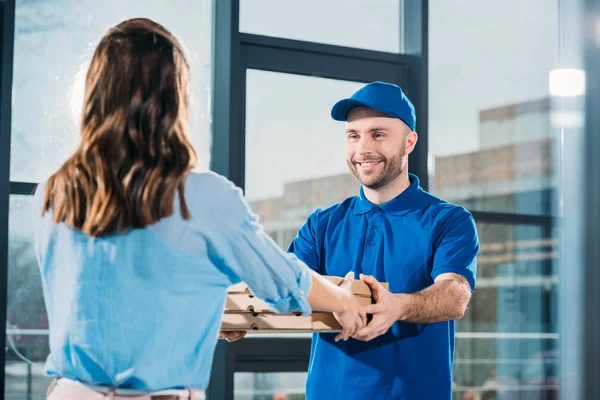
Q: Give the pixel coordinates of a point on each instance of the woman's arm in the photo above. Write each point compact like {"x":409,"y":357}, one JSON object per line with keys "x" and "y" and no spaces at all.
{"x":281,"y":279}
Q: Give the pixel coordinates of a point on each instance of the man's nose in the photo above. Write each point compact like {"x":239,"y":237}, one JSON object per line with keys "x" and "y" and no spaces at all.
{"x":364,"y":146}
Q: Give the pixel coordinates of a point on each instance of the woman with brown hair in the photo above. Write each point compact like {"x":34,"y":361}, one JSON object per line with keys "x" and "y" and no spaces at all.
{"x":136,"y":251}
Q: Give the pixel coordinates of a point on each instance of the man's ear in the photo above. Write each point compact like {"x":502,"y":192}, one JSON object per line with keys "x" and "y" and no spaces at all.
{"x":411,"y":141}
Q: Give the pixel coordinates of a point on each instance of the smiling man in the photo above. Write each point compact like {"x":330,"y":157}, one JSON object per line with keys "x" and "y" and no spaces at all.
{"x":392,"y":231}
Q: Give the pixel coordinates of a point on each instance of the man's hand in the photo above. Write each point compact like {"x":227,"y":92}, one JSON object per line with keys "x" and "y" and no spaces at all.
{"x":385,"y":311}
{"x":232,"y":336}
{"x":354,"y":317}
{"x":445,"y":300}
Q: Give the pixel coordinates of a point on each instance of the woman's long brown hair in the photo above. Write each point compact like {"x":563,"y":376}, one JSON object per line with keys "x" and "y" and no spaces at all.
{"x":134,"y":154}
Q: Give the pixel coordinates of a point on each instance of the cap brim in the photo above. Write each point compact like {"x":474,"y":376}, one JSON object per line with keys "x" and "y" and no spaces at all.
{"x":342,"y":108}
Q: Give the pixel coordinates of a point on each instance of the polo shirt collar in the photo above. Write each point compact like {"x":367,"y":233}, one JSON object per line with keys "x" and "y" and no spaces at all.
{"x":399,"y":205}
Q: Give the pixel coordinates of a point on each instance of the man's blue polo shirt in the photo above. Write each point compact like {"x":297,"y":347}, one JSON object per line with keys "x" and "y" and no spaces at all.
{"x":407,"y":241}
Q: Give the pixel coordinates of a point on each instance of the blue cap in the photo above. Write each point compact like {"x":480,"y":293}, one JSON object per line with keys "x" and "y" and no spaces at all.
{"x":381,"y":96}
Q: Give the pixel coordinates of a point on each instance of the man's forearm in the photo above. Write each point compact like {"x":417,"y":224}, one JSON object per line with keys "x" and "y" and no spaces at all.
{"x":443,"y":301}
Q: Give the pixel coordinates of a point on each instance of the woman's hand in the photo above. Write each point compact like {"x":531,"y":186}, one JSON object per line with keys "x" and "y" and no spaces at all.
{"x":353,"y":317}
{"x":232,"y":336}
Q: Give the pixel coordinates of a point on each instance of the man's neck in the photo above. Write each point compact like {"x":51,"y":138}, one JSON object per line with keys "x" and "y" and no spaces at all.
{"x":389,"y":191}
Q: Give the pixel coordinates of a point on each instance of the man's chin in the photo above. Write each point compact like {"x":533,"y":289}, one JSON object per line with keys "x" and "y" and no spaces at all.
{"x":370,"y":183}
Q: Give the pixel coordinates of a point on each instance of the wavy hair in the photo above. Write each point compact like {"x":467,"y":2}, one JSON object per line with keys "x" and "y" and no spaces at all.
{"x":134,"y":154}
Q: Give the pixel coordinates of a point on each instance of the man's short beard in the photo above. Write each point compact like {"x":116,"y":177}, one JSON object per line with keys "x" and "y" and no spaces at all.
{"x":392,"y":168}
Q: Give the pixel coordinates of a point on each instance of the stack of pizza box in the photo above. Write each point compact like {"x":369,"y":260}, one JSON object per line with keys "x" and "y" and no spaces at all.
{"x":245,"y":312}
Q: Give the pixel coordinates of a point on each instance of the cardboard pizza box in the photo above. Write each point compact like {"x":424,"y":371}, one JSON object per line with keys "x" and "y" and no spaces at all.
{"x":359,"y":288}
{"x":317,"y":322}
{"x":243,"y":302}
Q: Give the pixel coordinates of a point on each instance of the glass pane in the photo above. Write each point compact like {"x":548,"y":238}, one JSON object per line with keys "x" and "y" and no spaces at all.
{"x":269,"y":386}
{"x":295,"y":160}
{"x":485,"y":370}
{"x":54,"y":41}
{"x":373,"y":25}
{"x":507,"y":343}
{"x":27,"y":324}
{"x":490,"y":135}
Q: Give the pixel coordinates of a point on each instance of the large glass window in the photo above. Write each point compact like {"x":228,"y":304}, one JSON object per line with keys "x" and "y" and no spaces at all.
{"x":295,"y":159}
{"x":490,"y":136}
{"x":373,"y":25}
{"x":492,"y":148}
{"x":54,"y":41}
{"x":511,"y":325}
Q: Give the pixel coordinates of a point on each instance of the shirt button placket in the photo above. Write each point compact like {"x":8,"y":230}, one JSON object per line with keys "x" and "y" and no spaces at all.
{"x":373,"y":231}
{"x":373,"y":236}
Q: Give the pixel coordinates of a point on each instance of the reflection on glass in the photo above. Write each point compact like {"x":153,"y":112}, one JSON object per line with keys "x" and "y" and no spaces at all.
{"x":54,"y":41}
{"x":508,"y":339}
{"x":532,"y":374}
{"x":490,"y":134}
{"x":25,"y":300}
{"x":269,"y":386}
{"x":373,"y":25}
{"x":491,"y":148}
{"x":295,"y":157}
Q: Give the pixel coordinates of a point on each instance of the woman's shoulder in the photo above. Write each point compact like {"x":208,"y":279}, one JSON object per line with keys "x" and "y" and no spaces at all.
{"x":212,"y":187}
{"x":208,"y":182}
{"x":214,"y":193}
